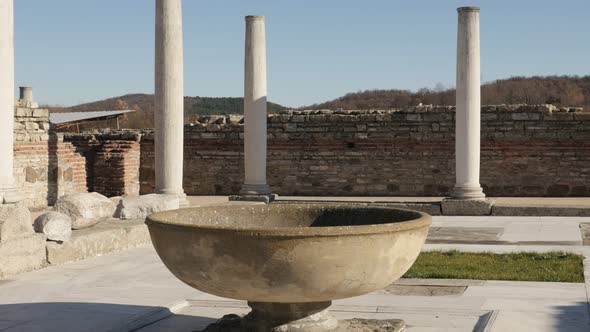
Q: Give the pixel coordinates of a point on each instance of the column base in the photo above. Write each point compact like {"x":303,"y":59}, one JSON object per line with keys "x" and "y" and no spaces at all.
{"x":298,"y":317}
{"x":255,"y":189}
{"x":254,"y":193}
{"x":182,"y":198}
{"x":467,"y":192}
{"x":269,"y":198}
{"x":467,"y":207}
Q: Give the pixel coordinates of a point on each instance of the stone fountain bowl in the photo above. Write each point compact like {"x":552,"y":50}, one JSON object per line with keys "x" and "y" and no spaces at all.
{"x":288,"y":253}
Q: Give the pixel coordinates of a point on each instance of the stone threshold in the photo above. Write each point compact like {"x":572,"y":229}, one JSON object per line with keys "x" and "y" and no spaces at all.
{"x":434,"y":208}
{"x":107,"y":237}
{"x":35,"y":252}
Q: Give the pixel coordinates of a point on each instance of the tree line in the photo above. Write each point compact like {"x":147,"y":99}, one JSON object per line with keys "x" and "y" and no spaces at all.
{"x":556,"y":90}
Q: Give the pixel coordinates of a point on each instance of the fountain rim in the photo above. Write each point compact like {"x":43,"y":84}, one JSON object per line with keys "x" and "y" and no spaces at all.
{"x":423,"y":220}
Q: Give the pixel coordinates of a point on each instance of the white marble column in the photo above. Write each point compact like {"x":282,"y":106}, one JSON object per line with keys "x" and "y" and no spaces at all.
{"x":468,"y":116}
{"x":8,"y":193}
{"x":255,"y":114}
{"x":169,"y":102}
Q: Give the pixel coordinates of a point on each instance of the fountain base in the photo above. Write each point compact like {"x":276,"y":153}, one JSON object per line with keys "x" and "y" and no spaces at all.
{"x":299,"y":317}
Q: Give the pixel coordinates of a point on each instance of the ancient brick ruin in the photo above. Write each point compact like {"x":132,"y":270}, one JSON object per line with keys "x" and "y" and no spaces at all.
{"x":526,"y":151}
{"x":45,"y":167}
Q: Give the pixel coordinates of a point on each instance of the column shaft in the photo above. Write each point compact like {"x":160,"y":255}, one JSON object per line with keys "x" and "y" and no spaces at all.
{"x":169,"y":101}
{"x":468,"y":115}
{"x":7,"y":184}
{"x":255,"y":112}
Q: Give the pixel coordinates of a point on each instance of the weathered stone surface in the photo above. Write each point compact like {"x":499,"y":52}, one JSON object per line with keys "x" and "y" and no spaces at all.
{"x":531,"y":210}
{"x":85,"y":209}
{"x":15,"y":222}
{"x":432,"y":209}
{"x":375,"y":325}
{"x":56,"y":226}
{"x":253,"y":198}
{"x":466,"y":207}
{"x":22,"y":254}
{"x":137,"y":233}
{"x":104,"y":238}
{"x":140,"y":207}
{"x":86,"y":243}
{"x":300,"y":228}
{"x":467,"y":235}
{"x":234,"y":323}
{"x":585,"y":229}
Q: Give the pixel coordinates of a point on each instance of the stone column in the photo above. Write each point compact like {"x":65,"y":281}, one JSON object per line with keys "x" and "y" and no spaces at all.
{"x":26,"y":93}
{"x":169,"y":102}
{"x":467,"y":196}
{"x":255,"y":113}
{"x":8,"y":194}
{"x":468,"y":116}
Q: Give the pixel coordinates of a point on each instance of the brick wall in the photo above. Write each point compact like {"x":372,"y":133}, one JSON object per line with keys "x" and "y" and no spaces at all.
{"x":112,"y":161}
{"x":45,"y":167}
{"x":526,"y":151}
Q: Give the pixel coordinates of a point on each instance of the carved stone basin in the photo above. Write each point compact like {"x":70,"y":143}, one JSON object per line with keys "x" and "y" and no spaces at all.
{"x":289,"y":261}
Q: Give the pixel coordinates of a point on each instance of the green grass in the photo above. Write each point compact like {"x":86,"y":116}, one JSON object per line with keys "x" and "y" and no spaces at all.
{"x":553,"y":266}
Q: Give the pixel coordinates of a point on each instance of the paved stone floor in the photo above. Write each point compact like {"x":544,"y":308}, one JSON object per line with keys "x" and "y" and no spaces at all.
{"x":514,"y":201}
{"x":503,"y":206}
{"x":133,"y":291}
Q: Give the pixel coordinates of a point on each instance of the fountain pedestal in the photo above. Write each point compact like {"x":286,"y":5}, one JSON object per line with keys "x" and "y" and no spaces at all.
{"x":299,"y":317}
{"x":290,"y":317}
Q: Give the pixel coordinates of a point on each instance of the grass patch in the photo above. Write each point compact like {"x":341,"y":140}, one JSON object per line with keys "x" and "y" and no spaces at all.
{"x":553,"y":266}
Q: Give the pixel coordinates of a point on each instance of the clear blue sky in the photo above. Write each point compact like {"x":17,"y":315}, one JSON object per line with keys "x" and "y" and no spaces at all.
{"x":74,"y":51}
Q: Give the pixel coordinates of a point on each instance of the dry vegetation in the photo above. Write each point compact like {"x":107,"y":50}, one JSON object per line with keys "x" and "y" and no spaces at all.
{"x":557,"y":90}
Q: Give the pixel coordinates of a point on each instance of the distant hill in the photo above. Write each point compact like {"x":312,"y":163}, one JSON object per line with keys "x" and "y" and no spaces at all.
{"x":558,"y":90}
{"x":144,"y":105}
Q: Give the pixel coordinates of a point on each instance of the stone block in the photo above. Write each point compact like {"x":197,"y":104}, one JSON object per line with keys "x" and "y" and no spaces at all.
{"x":56,"y":226}
{"x":85,"y":209}
{"x":22,"y":254}
{"x":520,"y":116}
{"x":31,"y":126}
{"x":253,"y":198}
{"x":466,"y":207}
{"x":107,"y":237}
{"x":15,"y":222}
{"x":137,"y":234}
{"x":87,"y":243}
{"x":414,"y":117}
{"x":139,"y":207}
{"x":290,"y":127}
{"x":41,"y":113}
{"x":23,"y":112}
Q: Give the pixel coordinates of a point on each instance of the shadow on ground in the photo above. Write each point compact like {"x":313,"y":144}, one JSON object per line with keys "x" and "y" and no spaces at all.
{"x":88,"y":317}
{"x":572,"y":318}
